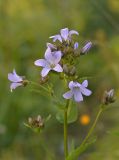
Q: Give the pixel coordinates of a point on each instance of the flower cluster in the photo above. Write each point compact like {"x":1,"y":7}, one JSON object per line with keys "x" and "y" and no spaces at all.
{"x":60,"y":57}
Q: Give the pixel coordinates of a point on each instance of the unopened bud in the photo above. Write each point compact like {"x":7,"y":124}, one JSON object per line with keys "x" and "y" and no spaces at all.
{"x":72,"y":71}
{"x":25,"y":82}
{"x":108,"y":97}
{"x":65,"y":69}
{"x":86,"y":48}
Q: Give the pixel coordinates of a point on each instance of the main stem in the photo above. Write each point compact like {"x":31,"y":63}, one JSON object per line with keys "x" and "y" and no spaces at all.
{"x":93,"y":126}
{"x":65,"y":130}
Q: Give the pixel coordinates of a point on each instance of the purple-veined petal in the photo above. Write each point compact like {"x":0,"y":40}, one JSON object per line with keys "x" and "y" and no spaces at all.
{"x":68,"y":95}
{"x":14,"y":77}
{"x":48,"y":54}
{"x":85,"y":91}
{"x":45,"y":71}
{"x":78,"y":96}
{"x":15,"y":85}
{"x":85,"y":83}
{"x":73,"y":32}
{"x":76,"y":45}
{"x":86,"y":47}
{"x":64,"y":33}
{"x":56,"y":37}
{"x":51,"y":46}
{"x":40,"y":62}
{"x":58,"y":68}
{"x":57,"y":55}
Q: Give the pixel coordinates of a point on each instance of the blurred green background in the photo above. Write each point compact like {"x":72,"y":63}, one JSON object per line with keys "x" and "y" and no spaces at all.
{"x":25,"y":26}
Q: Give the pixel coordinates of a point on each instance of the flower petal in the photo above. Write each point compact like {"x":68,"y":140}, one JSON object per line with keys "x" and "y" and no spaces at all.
{"x":85,"y":91}
{"x":56,"y":37}
{"x":40,"y":62}
{"x":14,"y":77}
{"x":57,"y":56}
{"x":45,"y":71}
{"x":48,"y":54}
{"x":71,"y":84}
{"x":73,"y":32}
{"x":68,"y":95}
{"x":85,"y":83}
{"x":64,"y":33}
{"x":15,"y":85}
{"x":58,"y":68}
{"x":78,"y":96}
{"x":51,"y":46}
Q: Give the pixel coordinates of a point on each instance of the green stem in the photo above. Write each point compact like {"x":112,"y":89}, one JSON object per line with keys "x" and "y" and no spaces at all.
{"x":65,"y":130}
{"x":93,"y":126}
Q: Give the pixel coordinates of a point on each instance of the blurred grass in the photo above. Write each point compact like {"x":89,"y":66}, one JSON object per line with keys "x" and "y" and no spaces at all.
{"x":25,"y":26}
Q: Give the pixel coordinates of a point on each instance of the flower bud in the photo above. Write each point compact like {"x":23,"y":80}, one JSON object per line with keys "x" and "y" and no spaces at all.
{"x":108,"y":97}
{"x":25,"y":82}
{"x":86,"y":48}
{"x":72,"y":71}
{"x":65,"y":69}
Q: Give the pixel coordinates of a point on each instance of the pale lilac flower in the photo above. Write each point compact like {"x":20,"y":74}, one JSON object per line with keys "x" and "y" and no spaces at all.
{"x":15,"y":79}
{"x":87,"y":47}
{"x":77,"y":90}
{"x":64,"y":35}
{"x":50,"y":62}
{"x":76,"y":45}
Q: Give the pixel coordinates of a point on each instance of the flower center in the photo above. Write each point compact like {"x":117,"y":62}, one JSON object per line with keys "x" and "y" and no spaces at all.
{"x":52,"y":65}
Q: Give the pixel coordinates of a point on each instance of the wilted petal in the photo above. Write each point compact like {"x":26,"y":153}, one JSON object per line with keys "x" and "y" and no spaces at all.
{"x":76,"y":45}
{"x":68,"y":95}
{"x":64,"y":33}
{"x":86,"y":47}
{"x":78,"y":96}
{"x":45,"y":71}
{"x":73,"y":32}
{"x":15,"y":85}
{"x":41,"y":62}
{"x":57,"y":55}
{"x":85,"y":83}
{"x":85,"y":91}
{"x":14,"y":77}
{"x":58,"y":68}
{"x":56,"y":37}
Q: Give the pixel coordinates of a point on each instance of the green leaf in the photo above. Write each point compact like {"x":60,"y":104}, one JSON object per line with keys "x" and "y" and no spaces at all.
{"x":72,"y":114}
{"x":74,"y":155}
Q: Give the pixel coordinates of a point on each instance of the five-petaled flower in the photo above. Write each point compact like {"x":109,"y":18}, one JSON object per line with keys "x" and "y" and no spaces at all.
{"x":51,"y":62}
{"x":77,"y":90}
{"x":64,"y":35}
{"x":15,"y":79}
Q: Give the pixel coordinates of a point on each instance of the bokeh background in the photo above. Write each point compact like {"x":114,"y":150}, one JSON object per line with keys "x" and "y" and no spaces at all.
{"x":25,"y":27}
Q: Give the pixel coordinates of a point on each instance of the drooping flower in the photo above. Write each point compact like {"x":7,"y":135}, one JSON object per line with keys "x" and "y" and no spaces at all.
{"x":15,"y":79}
{"x":51,"y":62}
{"x":86,"y":48}
{"x":64,"y":35}
{"x":77,"y":91}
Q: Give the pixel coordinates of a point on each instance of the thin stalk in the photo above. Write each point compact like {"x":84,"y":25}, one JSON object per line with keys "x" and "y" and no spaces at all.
{"x":65,"y":130}
{"x":93,"y":126}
